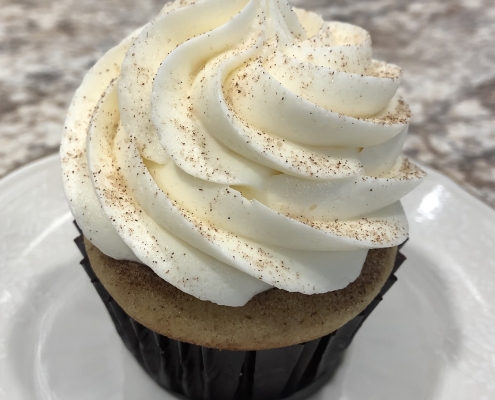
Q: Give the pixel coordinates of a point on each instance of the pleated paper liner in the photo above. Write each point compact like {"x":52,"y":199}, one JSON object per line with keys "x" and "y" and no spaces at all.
{"x":199,"y":373}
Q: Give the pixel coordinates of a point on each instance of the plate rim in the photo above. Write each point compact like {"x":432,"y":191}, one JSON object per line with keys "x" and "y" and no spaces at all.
{"x":18,"y":172}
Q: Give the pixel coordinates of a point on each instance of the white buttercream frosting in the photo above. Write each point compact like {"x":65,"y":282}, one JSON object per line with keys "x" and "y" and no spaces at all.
{"x":238,"y":145}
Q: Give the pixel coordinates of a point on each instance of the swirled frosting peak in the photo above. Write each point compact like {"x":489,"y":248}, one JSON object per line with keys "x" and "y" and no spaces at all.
{"x":238,"y":145}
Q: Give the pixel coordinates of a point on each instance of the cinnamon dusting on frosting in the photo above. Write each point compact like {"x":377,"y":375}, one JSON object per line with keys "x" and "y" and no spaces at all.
{"x":247,"y":150}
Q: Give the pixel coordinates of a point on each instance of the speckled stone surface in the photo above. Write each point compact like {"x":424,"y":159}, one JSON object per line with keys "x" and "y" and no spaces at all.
{"x":444,"y":47}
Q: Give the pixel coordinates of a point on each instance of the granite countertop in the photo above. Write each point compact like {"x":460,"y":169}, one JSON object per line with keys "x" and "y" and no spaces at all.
{"x":445,"y":48}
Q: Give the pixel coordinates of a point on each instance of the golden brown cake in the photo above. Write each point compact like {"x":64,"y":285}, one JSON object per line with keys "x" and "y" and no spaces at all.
{"x":271,"y":319}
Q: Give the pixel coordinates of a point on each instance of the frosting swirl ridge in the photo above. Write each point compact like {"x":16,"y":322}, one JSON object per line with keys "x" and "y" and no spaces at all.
{"x":234,"y":146}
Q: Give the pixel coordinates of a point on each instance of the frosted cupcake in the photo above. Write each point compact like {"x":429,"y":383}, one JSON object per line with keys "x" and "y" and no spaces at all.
{"x":235,"y":169}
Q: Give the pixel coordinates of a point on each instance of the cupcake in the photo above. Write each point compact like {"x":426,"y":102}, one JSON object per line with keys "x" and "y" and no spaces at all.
{"x":234,"y":169}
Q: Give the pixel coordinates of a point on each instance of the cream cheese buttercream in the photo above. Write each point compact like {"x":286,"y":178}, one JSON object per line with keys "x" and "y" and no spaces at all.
{"x":238,"y":145}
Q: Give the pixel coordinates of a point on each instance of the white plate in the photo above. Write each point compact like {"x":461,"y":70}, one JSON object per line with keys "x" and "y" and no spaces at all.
{"x":433,"y":337}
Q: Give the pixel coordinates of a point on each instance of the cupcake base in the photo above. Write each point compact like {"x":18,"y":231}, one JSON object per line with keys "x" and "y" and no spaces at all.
{"x":199,"y":373}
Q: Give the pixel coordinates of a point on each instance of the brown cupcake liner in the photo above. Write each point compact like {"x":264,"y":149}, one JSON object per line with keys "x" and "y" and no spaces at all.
{"x":200,"y":373}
